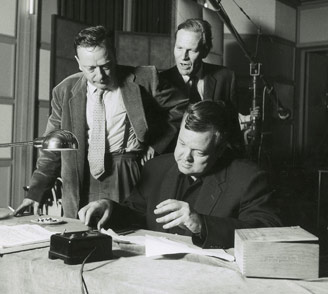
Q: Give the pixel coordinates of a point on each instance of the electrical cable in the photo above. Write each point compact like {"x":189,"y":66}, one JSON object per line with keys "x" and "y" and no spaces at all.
{"x":248,"y":17}
{"x":84,"y":288}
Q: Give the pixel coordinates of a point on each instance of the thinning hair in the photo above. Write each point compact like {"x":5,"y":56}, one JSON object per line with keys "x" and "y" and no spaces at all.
{"x":201,"y":26}
{"x":93,"y":37}
{"x":208,"y":115}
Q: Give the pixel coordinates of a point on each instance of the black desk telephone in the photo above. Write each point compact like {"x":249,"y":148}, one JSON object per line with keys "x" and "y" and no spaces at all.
{"x":74,"y":247}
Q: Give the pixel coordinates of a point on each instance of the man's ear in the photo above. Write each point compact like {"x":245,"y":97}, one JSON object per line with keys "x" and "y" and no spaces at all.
{"x":78,"y":62}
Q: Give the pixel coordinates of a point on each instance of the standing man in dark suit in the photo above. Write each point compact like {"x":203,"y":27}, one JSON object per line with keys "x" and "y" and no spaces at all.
{"x":199,"y":80}
{"x":203,"y":190}
{"x":112,"y":110}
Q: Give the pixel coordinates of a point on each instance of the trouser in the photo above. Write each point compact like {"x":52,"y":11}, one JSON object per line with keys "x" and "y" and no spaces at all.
{"x":122,"y":172}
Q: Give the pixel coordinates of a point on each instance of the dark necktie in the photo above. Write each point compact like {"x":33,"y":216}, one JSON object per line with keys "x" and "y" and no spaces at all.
{"x":97,"y":139}
{"x":193,"y":91}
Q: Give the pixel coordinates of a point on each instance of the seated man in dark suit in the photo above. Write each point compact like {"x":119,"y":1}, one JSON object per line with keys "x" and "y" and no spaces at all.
{"x":202,"y":191}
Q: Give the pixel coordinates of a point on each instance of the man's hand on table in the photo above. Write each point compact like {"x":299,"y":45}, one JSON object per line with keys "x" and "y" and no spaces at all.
{"x":100,"y":210}
{"x":178,"y":213}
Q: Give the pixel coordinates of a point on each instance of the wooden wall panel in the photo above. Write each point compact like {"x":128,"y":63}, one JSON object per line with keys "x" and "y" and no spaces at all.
{"x":185,"y":9}
{"x":62,"y":58}
{"x":286,"y":21}
{"x":261,"y":12}
{"x":160,"y":48}
{"x":49,"y":7}
{"x":44,"y":75}
{"x":6,"y":120}
{"x":313,"y":24}
{"x":5,"y":176}
{"x":7,"y":61}
{"x":143,"y":49}
{"x":65,"y":67}
{"x":42,"y":119}
{"x":132,"y":49}
{"x":8,"y":17}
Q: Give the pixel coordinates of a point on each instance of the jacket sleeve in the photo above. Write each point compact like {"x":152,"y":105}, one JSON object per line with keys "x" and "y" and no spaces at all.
{"x":173,"y":102}
{"x":255,"y":209}
{"x":49,"y":162}
{"x":164,"y":109}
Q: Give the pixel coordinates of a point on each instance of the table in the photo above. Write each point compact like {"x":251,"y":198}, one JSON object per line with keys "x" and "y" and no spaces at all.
{"x":131,"y":272}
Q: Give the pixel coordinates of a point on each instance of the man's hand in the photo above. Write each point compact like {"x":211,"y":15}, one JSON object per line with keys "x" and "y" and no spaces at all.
{"x":147,"y":154}
{"x":25,"y":205}
{"x":255,"y":113}
{"x":98,"y":209}
{"x":178,"y":213}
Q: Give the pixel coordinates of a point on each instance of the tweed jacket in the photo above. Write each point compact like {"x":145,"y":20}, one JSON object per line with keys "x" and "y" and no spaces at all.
{"x":235,"y":194}
{"x":140,"y":91}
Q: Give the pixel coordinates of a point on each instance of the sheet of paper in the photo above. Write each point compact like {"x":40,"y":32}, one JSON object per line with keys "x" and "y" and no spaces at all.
{"x":18,"y":235}
{"x":155,"y":246}
{"x":161,"y":246}
{"x":139,"y":240}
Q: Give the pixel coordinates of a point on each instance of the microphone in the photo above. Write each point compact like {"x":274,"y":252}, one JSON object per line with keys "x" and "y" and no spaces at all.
{"x":283,"y":113}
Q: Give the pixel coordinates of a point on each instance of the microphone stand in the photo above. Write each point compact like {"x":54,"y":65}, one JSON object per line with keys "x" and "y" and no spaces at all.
{"x":255,"y":72}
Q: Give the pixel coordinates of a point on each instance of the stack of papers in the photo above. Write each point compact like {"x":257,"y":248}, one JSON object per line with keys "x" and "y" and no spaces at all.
{"x":160,"y":246}
{"x":155,"y":246}
{"x":11,"y":236}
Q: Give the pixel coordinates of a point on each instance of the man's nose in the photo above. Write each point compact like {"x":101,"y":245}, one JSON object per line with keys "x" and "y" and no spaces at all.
{"x":187,"y":155}
{"x":99,"y":73}
{"x":186,"y":55}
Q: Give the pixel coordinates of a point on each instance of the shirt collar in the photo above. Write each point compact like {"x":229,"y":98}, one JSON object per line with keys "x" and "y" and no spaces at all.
{"x":199,"y":74}
{"x":91,"y":88}
{"x":192,"y":180}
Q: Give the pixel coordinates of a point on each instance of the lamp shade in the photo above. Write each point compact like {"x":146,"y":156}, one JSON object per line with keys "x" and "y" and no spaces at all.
{"x":58,"y":140}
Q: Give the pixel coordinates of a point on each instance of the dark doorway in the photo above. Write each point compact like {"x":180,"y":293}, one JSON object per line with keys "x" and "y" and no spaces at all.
{"x":315,"y":126}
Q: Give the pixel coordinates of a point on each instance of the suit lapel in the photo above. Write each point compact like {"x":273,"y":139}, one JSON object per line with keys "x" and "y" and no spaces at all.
{"x":179,"y":81}
{"x":210,"y":192}
{"x":209,"y":84}
{"x":77,"y":106}
{"x":169,"y":184}
{"x":133,"y":104}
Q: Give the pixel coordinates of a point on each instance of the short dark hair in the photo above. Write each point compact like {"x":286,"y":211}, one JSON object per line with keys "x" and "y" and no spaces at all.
{"x":201,"y":26}
{"x":93,"y":37}
{"x":208,"y":115}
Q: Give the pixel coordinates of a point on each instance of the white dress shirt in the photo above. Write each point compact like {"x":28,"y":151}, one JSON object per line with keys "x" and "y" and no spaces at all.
{"x":115,"y":120}
{"x":200,"y":83}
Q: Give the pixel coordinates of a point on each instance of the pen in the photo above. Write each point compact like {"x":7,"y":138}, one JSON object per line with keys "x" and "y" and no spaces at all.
{"x":11,"y":208}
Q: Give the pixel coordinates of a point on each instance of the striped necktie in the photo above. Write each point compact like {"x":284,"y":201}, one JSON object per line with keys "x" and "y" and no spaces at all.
{"x":97,"y":138}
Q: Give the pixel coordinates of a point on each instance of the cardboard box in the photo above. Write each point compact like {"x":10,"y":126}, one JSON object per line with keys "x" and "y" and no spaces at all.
{"x":285,"y":252}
